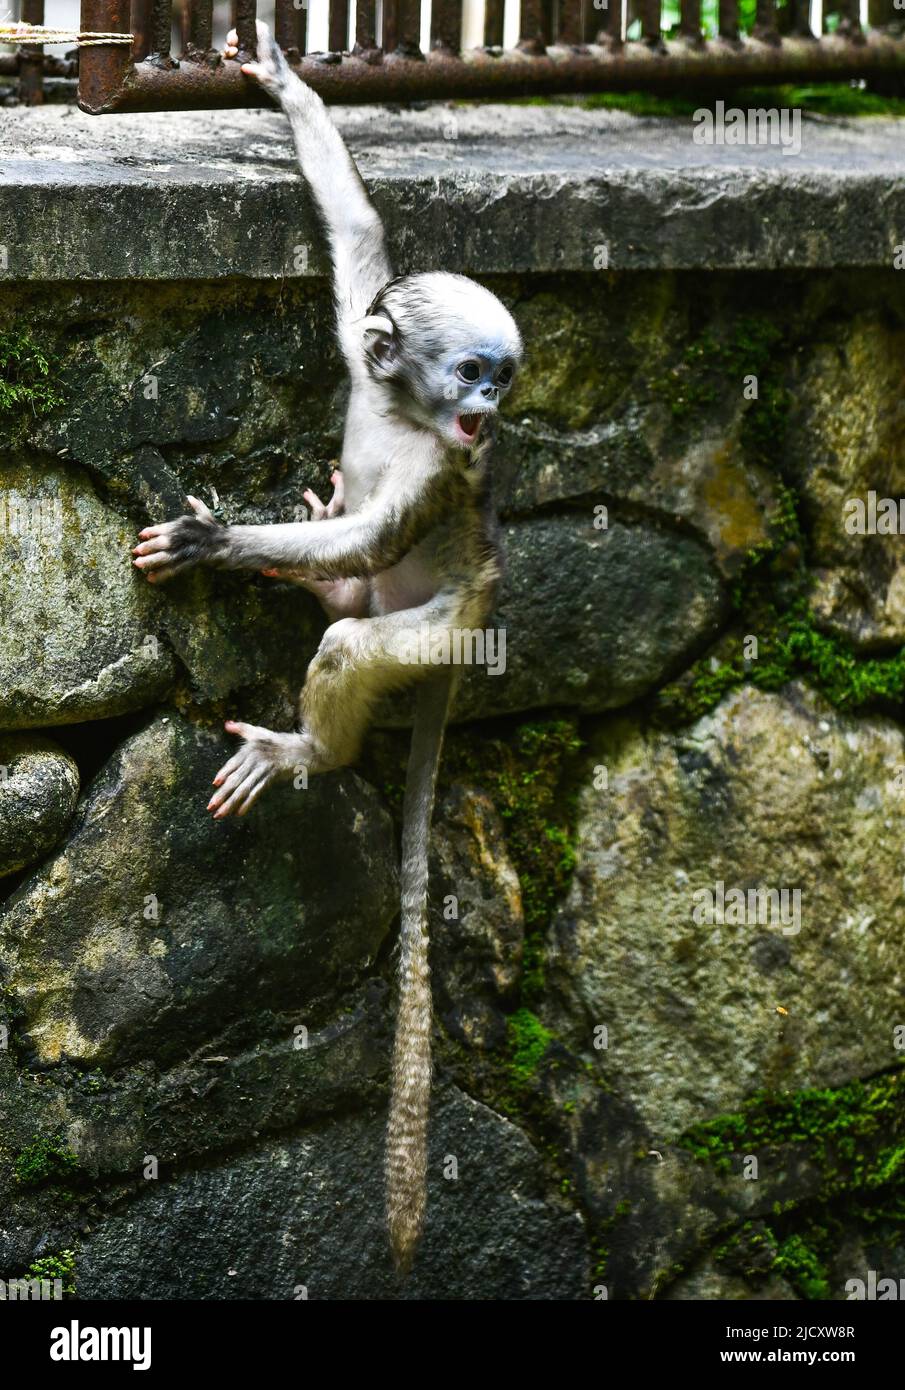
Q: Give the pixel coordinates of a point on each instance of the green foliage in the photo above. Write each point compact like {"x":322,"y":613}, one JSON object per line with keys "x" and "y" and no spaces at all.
{"x":59,"y":1266}
{"x":24,"y":372}
{"x":45,"y":1160}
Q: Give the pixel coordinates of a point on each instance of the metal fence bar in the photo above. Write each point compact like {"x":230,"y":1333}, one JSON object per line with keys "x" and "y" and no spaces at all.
{"x":570,"y":22}
{"x":141,"y":27}
{"x":534,"y":26}
{"x":31,"y":60}
{"x":402,"y":28}
{"x":850,"y":20}
{"x":287,"y":28}
{"x":604,"y":25}
{"x":494,"y":14}
{"x":197,"y":29}
{"x":765,"y":22}
{"x":161,"y":28}
{"x":589,"y":54}
{"x":446,"y":26}
{"x":338,"y":39}
{"x":366,"y":31}
{"x":728,"y":20}
{"x":103,"y":68}
{"x":243,"y":17}
{"x":690,"y":22}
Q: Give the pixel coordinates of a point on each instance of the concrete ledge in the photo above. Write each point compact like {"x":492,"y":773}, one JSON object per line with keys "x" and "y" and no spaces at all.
{"x":485,"y":190}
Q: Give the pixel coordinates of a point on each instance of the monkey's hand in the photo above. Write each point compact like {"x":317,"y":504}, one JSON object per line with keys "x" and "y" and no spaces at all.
{"x":271,"y":68}
{"x":319,"y":512}
{"x":174,"y":546}
{"x":264,"y":758}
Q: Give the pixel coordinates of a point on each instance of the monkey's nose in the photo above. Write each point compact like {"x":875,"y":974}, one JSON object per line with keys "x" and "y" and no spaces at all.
{"x":489,"y":393}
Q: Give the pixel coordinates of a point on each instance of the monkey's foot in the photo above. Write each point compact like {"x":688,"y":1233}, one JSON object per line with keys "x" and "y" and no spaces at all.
{"x":264,"y":758}
{"x":321,"y":511}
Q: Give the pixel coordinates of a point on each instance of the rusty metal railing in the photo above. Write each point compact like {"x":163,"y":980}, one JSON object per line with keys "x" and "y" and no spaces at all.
{"x":375,"y":50}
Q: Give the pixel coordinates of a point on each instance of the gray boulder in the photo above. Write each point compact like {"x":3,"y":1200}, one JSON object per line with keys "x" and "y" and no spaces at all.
{"x":39,"y":785}
{"x":700,"y":1014}
{"x":303,"y":1218}
{"x":79,"y":638}
{"x":155,"y":928}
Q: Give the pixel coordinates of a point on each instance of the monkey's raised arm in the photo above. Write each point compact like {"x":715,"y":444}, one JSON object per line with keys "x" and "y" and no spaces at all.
{"x":360,"y":264}
{"x":400,"y":511}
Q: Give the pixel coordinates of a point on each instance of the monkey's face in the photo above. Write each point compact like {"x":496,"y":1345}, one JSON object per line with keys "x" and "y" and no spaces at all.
{"x":474,"y":382}
{"x":447,"y":349}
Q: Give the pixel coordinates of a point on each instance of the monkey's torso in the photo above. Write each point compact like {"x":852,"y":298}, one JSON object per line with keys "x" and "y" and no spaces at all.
{"x":460,"y":552}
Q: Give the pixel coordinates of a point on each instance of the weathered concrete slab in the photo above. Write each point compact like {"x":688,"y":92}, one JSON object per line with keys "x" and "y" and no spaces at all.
{"x":484,"y":189}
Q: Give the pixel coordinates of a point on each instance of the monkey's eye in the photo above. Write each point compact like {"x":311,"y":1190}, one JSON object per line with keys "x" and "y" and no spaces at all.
{"x":469,"y":371}
{"x":504,"y":376}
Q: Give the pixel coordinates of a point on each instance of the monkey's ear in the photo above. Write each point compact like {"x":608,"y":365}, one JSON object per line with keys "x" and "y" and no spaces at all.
{"x":379,"y":338}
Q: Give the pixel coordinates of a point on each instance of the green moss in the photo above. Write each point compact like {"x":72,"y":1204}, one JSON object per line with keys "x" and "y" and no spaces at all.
{"x":770,"y":599}
{"x":843,"y":1130}
{"x":528,"y":1042}
{"x":45,"y":1160}
{"x":24,"y":373}
{"x":828,"y":98}
{"x":755,"y":1252}
{"x":710,"y":367}
{"x":59,"y":1266}
{"x":801,"y":1265}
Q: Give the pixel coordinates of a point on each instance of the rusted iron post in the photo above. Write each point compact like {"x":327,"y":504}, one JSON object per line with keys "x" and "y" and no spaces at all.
{"x":570,"y":25}
{"x":690,"y":22}
{"x":338,"y":37}
{"x":31,"y":59}
{"x":765,"y":23}
{"x":103,"y":67}
{"x":141,"y":28}
{"x":287,"y":28}
{"x":534,"y":27}
{"x":494,"y":13}
{"x":366,"y":32}
{"x":446,"y":26}
{"x":728,"y":20}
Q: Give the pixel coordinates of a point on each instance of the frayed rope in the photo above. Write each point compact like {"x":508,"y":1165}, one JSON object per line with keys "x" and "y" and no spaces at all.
{"x":38,"y":33}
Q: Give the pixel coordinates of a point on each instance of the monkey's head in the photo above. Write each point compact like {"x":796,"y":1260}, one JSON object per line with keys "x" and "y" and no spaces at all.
{"x":445,"y":350}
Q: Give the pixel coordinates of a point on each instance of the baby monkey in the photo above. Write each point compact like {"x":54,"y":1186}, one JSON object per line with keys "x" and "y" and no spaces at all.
{"x":407,"y":543}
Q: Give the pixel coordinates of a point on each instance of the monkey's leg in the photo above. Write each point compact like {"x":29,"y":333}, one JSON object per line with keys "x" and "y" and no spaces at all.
{"x":358,"y":661}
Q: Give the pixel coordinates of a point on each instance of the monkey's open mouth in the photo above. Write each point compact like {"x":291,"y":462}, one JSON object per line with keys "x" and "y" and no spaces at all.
{"x":467,"y":427}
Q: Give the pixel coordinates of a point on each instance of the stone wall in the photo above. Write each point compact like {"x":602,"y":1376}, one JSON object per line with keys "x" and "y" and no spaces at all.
{"x":609,"y":1063}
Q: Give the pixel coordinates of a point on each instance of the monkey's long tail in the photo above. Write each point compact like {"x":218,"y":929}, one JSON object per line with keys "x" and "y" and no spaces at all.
{"x":406,"y":1151}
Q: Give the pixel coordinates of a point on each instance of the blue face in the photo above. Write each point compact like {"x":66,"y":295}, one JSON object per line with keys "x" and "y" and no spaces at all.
{"x":476,"y":384}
